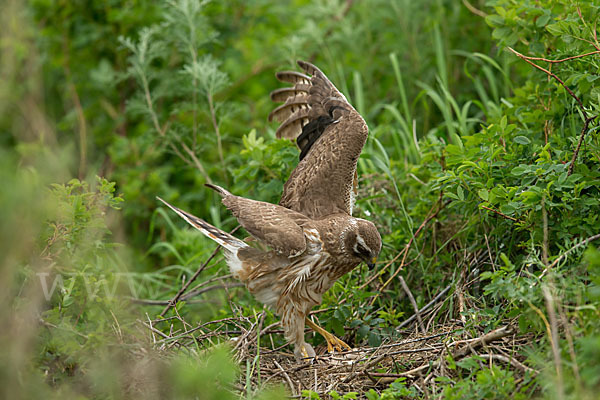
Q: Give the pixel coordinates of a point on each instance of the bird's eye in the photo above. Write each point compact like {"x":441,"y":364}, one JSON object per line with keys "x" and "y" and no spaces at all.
{"x":360,"y":250}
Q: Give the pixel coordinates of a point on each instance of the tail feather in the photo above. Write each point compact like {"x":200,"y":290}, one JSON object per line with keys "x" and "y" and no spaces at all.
{"x":229,"y":242}
{"x":222,"y":192}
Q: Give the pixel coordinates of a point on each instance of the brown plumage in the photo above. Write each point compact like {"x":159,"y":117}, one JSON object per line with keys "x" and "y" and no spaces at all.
{"x":330,"y":134}
{"x":311,"y":236}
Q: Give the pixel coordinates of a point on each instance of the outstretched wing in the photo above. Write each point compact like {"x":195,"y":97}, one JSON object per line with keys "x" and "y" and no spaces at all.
{"x":278,"y":227}
{"x":330,"y":134}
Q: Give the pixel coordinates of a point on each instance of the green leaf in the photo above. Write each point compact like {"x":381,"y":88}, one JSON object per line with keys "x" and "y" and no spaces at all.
{"x":374,"y":339}
{"x":338,"y":326}
{"x":555,"y":29}
{"x":522,"y":140}
{"x":484,"y":194}
{"x":542,"y":20}
{"x":503,"y":122}
{"x":520,"y":170}
{"x":460,"y":192}
{"x":494,"y":21}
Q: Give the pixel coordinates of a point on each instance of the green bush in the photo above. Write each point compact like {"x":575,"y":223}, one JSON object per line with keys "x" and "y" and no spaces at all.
{"x":483,"y":115}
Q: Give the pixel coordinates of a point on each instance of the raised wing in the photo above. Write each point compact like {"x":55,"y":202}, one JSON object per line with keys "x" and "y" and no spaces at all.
{"x":278,"y":227}
{"x":330,"y":134}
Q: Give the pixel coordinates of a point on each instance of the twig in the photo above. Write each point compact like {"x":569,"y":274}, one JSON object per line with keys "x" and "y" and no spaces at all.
{"x":426,"y":307}
{"x":365,"y":367}
{"x":501,"y":214}
{"x":70,"y":330}
{"x":154,"y":330}
{"x":197,"y":292}
{"x":413,"y":302}
{"x":410,"y":351}
{"x":562,"y":59}
{"x":211,"y":280}
{"x":287,"y":377}
{"x":460,"y":353}
{"x":545,"y":246}
{"x":587,"y":119}
{"x":162,"y":131}
{"x":528,"y":61}
{"x":487,"y":244}
{"x":474,"y":10}
{"x":584,"y":130}
{"x":213,"y":117}
{"x":195,"y":160}
{"x":569,"y":336}
{"x":295,"y":369}
{"x":174,"y":300}
{"x":509,"y":360}
{"x":248,"y":335}
{"x":483,"y":340}
{"x":187,"y":296}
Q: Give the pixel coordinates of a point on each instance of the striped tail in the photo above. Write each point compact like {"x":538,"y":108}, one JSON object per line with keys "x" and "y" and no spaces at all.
{"x":226,"y":240}
{"x":222,"y":192}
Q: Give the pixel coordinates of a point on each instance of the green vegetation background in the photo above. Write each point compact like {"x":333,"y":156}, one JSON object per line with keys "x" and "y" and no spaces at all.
{"x":106,"y":104}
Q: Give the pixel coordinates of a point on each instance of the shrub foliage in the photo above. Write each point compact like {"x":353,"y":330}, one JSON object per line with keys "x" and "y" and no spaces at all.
{"x":482,"y":172}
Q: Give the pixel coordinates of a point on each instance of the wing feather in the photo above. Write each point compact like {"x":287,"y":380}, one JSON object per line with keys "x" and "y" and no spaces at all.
{"x":278,"y":227}
{"x":293,"y":77}
{"x":292,"y":126}
{"x":281,"y":95}
{"x":330,"y":134}
{"x":285,"y":111}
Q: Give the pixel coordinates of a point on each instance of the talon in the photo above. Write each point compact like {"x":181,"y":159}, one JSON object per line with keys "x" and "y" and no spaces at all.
{"x":333,"y":343}
{"x":337,"y":344}
{"x":329,"y":346}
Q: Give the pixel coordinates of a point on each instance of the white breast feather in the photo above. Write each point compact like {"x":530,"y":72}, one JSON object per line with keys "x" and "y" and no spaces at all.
{"x":234,"y":263}
{"x":304,"y":271}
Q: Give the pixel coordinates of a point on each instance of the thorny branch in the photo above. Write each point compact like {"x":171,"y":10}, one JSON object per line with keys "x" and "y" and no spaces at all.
{"x":501,"y":214}
{"x":587,"y":119}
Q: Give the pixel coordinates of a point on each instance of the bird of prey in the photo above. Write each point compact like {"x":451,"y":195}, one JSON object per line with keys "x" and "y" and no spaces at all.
{"x":311,"y":237}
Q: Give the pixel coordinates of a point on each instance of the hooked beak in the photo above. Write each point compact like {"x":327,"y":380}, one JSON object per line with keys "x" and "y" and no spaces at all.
{"x":371,"y":264}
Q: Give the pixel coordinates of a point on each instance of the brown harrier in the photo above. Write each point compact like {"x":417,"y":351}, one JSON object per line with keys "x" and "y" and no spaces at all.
{"x":312,"y":236}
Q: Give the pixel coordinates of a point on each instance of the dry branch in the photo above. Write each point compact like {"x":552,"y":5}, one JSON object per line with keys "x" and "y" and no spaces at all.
{"x":425,"y":307}
{"x":413,"y":302}
{"x":174,"y":300}
{"x":470,"y":345}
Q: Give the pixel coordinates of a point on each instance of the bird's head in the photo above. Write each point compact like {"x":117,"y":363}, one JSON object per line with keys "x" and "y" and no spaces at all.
{"x":364,"y":242}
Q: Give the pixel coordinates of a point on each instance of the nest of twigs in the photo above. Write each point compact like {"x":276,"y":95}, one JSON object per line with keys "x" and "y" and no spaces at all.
{"x":418,"y":357}
{"x":419,"y":352}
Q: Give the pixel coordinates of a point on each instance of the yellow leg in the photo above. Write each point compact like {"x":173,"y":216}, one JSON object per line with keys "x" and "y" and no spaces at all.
{"x":304,"y":352}
{"x":332,"y":341}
